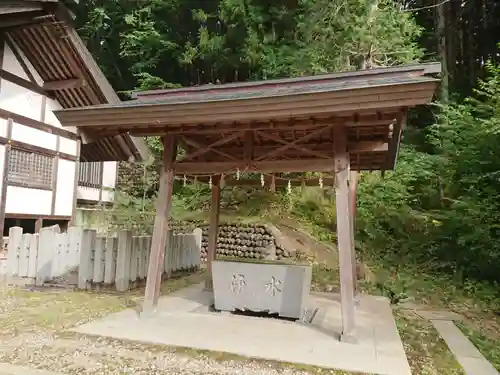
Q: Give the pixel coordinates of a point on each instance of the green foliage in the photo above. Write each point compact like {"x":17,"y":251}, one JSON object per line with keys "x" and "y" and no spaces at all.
{"x":353,"y":34}
{"x":441,"y":210}
{"x":438,"y":210}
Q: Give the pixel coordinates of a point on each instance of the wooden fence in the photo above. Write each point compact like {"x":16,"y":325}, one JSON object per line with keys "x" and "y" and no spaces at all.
{"x":120,"y":261}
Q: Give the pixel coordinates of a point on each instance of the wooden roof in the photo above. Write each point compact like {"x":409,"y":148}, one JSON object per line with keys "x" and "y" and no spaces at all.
{"x":273,"y":126}
{"x":42,"y":30}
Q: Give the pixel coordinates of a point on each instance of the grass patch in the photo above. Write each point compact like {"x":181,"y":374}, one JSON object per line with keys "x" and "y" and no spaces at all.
{"x":56,"y":310}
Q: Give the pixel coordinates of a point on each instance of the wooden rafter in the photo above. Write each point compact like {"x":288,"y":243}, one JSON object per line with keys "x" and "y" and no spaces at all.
{"x":71,"y":83}
{"x":17,"y":54}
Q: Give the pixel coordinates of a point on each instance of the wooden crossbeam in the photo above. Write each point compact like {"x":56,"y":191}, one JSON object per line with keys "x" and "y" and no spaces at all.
{"x":211,"y":146}
{"x":305,"y":150}
{"x":201,"y":146}
{"x":71,"y":83}
{"x":268,"y":181}
{"x":294,"y":144}
{"x":270,"y":166}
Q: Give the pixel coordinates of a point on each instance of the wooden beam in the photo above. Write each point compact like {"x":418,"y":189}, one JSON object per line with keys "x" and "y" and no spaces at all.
{"x":344,"y":244}
{"x":55,"y":169}
{"x":75,"y":182}
{"x":37,"y":149}
{"x":65,"y":84}
{"x":39,"y":125}
{"x":270,"y":166}
{"x":37,"y":216}
{"x":21,"y":19}
{"x":271,"y":182}
{"x":23,"y":83}
{"x":213,"y":231}
{"x":396,"y":139}
{"x":365,"y":121}
{"x":161,"y":226}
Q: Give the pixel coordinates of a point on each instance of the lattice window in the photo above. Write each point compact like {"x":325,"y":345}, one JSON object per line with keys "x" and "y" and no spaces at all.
{"x":90,"y":174}
{"x":30,"y":169}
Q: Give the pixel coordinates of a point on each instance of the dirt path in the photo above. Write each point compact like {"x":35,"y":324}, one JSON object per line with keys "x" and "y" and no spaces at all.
{"x":307,"y":244}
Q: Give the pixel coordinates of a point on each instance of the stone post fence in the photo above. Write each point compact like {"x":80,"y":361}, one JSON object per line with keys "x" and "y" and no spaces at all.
{"x":118,"y":262}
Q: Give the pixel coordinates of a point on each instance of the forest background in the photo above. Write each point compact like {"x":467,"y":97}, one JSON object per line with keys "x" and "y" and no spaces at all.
{"x":438,"y":212}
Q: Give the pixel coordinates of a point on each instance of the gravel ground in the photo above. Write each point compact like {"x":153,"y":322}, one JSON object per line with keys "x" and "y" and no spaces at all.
{"x":33,"y":333}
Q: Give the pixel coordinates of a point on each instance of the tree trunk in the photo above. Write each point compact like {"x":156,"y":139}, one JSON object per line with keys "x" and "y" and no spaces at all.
{"x":441,"y":48}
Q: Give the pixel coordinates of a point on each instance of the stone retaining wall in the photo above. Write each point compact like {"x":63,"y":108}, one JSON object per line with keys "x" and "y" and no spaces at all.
{"x":241,"y":240}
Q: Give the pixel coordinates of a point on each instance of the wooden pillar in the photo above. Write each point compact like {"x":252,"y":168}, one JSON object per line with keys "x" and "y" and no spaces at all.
{"x":5,"y":177}
{"x":38,"y":225}
{"x":344,"y":234}
{"x":353,"y":185}
{"x":213,"y":230}
{"x":161,"y":227}
{"x":75,"y":182}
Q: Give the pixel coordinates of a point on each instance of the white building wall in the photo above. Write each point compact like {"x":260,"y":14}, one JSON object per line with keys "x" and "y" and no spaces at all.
{"x":19,"y":100}
{"x":35,"y":137}
{"x":88,"y":194}
{"x":28,"y":201}
{"x":3,"y":128}
{"x":109,"y":180}
{"x":24,"y":102}
{"x":65,"y":187}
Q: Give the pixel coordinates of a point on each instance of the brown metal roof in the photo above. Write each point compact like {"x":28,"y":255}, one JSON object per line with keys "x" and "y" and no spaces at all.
{"x":281,"y":126}
{"x":398,"y":71}
{"x":59,"y":55}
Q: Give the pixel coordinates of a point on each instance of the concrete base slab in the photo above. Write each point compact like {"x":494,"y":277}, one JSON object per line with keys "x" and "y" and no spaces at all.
{"x":184,"y":320}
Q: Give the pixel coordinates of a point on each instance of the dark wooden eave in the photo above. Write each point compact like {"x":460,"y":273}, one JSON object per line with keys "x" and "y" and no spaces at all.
{"x":42,"y":30}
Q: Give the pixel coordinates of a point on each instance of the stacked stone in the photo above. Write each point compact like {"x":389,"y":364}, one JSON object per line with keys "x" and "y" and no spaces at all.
{"x":245,"y":241}
{"x":181,"y":227}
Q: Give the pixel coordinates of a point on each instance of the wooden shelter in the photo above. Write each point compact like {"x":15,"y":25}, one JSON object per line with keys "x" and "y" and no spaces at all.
{"x":334,"y":123}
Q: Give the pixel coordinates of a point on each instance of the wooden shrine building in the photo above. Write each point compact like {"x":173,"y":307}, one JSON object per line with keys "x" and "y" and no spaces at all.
{"x":335,"y":123}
